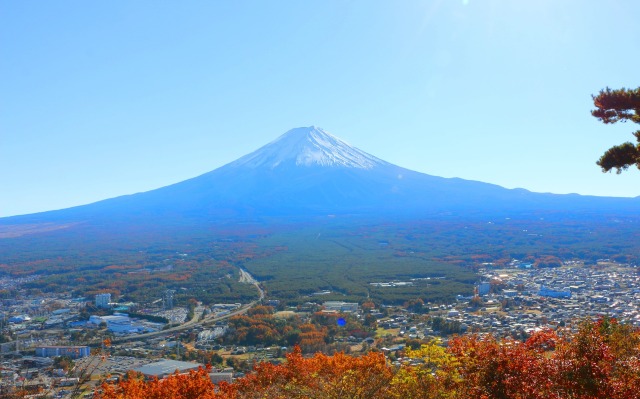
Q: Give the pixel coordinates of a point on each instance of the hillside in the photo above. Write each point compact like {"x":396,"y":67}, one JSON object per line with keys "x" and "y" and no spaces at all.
{"x":309,"y":172}
{"x":300,"y":214}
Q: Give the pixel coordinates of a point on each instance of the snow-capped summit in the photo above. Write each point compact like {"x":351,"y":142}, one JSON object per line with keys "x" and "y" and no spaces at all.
{"x":308,"y":146}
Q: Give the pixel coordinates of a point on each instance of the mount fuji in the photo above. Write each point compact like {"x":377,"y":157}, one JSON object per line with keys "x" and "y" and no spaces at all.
{"x":307,"y":171}
{"x":304,"y":213}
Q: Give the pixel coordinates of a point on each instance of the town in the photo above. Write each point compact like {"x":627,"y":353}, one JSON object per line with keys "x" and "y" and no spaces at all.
{"x":66,"y":344}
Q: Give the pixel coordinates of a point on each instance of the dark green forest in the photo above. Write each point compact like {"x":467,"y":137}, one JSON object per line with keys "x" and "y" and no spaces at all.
{"x":296,"y":258}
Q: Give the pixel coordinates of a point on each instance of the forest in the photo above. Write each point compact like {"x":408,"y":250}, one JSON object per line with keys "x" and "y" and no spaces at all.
{"x":342,"y":257}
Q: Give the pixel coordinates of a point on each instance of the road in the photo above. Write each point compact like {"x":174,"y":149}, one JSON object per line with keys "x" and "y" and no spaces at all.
{"x":207,"y":320}
{"x":245,"y":277}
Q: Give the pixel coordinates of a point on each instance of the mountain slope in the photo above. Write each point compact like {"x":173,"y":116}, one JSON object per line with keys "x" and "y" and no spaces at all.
{"x":307,"y":171}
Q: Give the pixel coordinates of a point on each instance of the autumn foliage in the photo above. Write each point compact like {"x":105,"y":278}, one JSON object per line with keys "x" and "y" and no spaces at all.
{"x":599,"y":360}
{"x":321,"y":376}
{"x":194,"y":385}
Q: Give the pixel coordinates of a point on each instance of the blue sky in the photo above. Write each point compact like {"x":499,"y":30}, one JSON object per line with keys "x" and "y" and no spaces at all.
{"x":101,"y":99}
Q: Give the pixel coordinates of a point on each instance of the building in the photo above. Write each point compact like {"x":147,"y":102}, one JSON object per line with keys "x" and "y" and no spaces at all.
{"x":103,"y":300}
{"x":338,"y":306}
{"x":164,"y":368}
{"x":484,"y":288}
{"x":19,"y":319}
{"x":219,"y":376}
{"x":510,"y":293}
{"x":167,"y":299}
{"x":544,"y":291}
{"x":118,"y":323}
{"x":73,"y":352}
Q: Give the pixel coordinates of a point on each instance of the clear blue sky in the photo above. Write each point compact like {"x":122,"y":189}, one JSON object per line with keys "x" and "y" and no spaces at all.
{"x":104,"y":98}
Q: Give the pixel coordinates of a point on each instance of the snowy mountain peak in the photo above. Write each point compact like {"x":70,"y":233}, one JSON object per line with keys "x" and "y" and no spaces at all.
{"x":309,"y":146}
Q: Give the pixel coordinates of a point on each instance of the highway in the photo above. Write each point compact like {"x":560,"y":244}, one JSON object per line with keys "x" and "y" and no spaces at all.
{"x":207,"y":320}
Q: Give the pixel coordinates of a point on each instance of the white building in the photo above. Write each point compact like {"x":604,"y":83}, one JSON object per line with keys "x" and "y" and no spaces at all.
{"x":118,"y":323}
{"x":103,"y":300}
{"x":164,"y":368}
{"x":347,"y":307}
{"x":544,"y":291}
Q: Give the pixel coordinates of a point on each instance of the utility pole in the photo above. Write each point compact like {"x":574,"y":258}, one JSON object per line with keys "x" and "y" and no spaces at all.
{"x":167,"y":299}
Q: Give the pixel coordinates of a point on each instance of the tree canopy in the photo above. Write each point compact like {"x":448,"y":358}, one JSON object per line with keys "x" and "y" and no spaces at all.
{"x":619,"y":106}
{"x":598,"y":359}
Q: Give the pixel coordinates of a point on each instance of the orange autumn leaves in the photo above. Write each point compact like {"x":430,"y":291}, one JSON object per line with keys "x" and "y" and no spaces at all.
{"x":194,"y":385}
{"x":338,"y":376}
{"x":600,"y":360}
